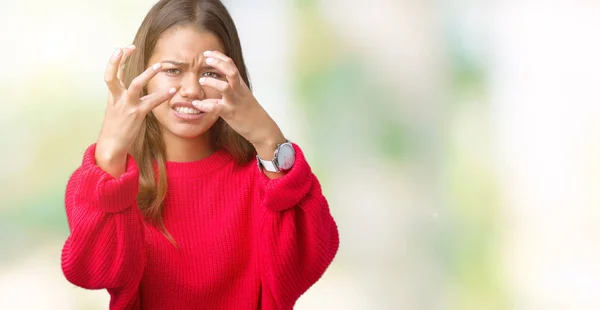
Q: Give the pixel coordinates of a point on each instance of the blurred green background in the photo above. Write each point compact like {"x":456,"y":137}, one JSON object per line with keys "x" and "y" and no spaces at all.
{"x":456,"y":141}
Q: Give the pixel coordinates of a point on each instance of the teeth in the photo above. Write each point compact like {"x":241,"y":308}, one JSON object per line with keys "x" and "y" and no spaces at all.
{"x":186,"y":110}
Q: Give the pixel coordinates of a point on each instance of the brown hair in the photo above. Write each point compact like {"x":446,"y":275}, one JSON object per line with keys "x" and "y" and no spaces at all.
{"x":149,"y":149}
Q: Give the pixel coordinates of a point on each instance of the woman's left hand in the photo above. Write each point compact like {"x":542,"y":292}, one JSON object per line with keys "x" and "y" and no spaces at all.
{"x":238,"y":107}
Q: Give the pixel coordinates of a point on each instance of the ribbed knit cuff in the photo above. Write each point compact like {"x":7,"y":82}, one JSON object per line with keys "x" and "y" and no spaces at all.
{"x":101,"y":189}
{"x":287,"y":191}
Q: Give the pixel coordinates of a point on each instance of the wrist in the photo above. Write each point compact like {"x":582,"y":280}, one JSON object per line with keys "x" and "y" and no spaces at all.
{"x":111,"y":162}
{"x":266,"y":147}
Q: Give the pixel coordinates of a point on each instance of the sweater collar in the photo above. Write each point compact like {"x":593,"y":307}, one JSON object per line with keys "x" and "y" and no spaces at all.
{"x":200,"y":167}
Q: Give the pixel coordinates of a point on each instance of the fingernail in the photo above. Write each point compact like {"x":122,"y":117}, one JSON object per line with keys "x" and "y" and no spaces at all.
{"x":130,"y":46}
{"x":117,"y":52}
{"x":210,"y":60}
{"x":156,"y":66}
{"x":202,"y":80}
{"x":206,"y":53}
{"x":172,"y":91}
{"x":196,"y":103}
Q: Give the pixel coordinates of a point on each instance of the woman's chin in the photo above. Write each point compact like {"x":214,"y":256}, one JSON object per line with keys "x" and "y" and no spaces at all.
{"x":187,"y":131}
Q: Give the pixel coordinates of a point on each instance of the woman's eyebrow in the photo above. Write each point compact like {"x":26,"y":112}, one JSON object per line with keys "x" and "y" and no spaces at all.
{"x":184,"y":64}
{"x":173,"y":62}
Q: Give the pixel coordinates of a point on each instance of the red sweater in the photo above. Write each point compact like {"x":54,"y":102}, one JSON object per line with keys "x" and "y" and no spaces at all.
{"x":245,"y":241}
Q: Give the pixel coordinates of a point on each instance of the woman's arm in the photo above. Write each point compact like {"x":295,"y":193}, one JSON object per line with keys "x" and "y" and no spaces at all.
{"x":105,"y":248}
{"x":298,"y":237}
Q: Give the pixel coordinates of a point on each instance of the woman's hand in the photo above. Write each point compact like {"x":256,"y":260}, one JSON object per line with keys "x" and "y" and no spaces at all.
{"x":125,"y":112}
{"x":238,"y":107}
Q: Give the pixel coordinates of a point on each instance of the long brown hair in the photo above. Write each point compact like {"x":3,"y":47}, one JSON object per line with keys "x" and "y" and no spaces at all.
{"x":149,"y":148}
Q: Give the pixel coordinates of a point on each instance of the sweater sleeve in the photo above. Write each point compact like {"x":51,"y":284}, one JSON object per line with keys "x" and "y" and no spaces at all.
{"x":298,"y":237}
{"x":105,"y":245}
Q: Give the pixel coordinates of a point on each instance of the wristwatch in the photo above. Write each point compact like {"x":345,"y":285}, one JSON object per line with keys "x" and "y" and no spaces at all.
{"x":283,"y":159}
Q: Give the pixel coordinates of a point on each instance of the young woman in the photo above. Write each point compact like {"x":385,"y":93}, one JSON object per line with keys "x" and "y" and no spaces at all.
{"x":192,"y":198}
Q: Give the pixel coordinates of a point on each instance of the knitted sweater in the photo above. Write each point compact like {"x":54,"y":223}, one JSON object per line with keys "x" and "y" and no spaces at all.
{"x":244,"y":241}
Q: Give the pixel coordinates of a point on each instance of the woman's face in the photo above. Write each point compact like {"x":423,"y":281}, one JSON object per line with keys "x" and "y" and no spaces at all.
{"x":180,"y":51}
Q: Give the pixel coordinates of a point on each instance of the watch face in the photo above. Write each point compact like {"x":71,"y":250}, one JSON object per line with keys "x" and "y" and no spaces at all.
{"x":286,"y":156}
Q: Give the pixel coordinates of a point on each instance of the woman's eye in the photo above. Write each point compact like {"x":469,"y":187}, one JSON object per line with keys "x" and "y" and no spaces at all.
{"x":211,"y":74}
{"x":173,"y":71}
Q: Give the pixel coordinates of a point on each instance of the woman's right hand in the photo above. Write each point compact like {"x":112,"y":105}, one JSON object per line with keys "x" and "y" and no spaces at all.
{"x":125,"y":112}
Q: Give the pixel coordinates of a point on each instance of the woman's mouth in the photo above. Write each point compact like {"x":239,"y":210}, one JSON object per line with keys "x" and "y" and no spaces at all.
{"x":186,"y":110}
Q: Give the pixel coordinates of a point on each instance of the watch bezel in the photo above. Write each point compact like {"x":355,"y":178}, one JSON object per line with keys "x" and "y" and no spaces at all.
{"x":268,"y":165}
{"x":280,"y":163}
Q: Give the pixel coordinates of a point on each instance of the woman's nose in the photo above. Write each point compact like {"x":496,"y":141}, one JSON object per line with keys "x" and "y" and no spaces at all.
{"x":190,"y":88}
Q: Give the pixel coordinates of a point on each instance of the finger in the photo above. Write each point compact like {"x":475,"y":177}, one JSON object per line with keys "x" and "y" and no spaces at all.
{"x":225,"y":65}
{"x":219,"y":85}
{"x":135,"y":89}
{"x":127,"y":51}
{"x":110,"y":75}
{"x":153,"y":100}
{"x":216,"y":54}
{"x":213,"y":106}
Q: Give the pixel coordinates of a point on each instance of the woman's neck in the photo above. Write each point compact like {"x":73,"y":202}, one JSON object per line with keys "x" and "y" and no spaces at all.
{"x":180,"y":149}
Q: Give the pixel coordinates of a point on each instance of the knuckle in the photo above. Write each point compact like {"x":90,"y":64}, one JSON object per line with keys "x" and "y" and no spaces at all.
{"x":136,"y":111}
{"x":113,"y":96}
{"x":133,"y":94}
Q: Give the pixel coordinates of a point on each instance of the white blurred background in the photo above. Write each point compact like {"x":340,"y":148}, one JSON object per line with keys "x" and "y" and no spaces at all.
{"x":458,"y":142}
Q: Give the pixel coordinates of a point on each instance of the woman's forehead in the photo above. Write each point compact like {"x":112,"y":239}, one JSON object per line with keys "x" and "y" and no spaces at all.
{"x":187,"y":41}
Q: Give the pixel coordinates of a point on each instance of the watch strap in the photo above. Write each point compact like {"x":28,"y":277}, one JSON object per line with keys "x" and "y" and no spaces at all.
{"x":268,"y":165}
